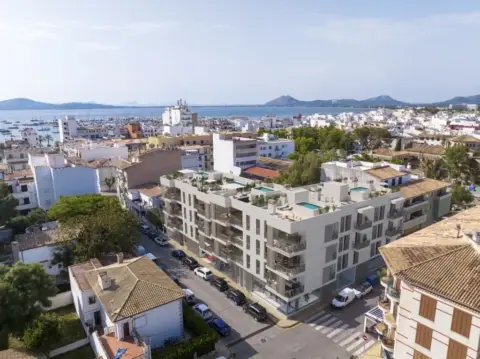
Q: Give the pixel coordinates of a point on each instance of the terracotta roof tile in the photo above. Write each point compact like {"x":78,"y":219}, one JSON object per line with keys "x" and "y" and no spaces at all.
{"x":18,"y":174}
{"x":262,"y":172}
{"x":39,"y":238}
{"x":384,"y":173}
{"x":424,"y":148}
{"x":422,"y":186}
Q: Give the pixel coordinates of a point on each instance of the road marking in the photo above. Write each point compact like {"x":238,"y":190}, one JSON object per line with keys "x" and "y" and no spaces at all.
{"x":331,"y":320}
{"x":349,"y":339}
{"x":312,"y":318}
{"x":355,"y":344}
{"x":331,"y":327}
{"x":343,"y":335}
{"x":336,"y":331}
{"x":320,"y":320}
{"x":364,"y":348}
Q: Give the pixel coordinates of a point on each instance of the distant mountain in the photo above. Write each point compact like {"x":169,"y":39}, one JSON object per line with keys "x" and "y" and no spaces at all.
{"x":378,"y":101}
{"x":27,"y":104}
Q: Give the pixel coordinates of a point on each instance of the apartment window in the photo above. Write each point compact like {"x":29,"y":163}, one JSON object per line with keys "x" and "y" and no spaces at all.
{"x":183,"y":197}
{"x":331,"y":253}
{"x":257,"y":247}
{"x":189,"y":200}
{"x":346,"y":223}
{"x":372,"y":249}
{"x":418,"y":355}
{"x":374,"y":232}
{"x":248,"y":261}
{"x":26,"y":200}
{"x":257,"y":226}
{"x":423,"y":336}
{"x":456,"y":350}
{"x":265,"y":229}
{"x":344,"y":243}
{"x":380,"y":230}
{"x":331,"y":232}
{"x":247,"y":222}
{"x":382,"y":212}
{"x":342,"y":262}
{"x":376,"y":214}
{"x":186,"y":228}
{"x":248,"y":242}
{"x":328,"y":273}
{"x":24,"y":188}
{"x":184,"y":212}
{"x":355,"y":257}
{"x":461,"y":322}
{"x":190,"y":213}
{"x":428,"y":307}
{"x":191,"y":231}
{"x":257,"y":266}
{"x":92,"y":300}
{"x":377,"y":247}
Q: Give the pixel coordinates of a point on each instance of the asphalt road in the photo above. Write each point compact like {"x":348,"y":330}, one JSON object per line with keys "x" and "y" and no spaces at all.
{"x":329,"y":334}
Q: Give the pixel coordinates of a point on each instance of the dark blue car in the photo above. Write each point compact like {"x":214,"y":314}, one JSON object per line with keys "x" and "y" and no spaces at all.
{"x":178,"y":253}
{"x":220,"y":327}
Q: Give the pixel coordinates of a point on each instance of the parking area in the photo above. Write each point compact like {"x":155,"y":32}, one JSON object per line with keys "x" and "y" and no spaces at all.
{"x":326,"y":334}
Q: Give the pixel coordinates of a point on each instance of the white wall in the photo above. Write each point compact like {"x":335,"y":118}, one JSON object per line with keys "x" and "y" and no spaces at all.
{"x":97,"y":346}
{"x":60,"y":300}
{"x":96,"y":153}
{"x":69,"y":347}
{"x":223,"y":155}
{"x":42,"y":255}
{"x":103,"y":173}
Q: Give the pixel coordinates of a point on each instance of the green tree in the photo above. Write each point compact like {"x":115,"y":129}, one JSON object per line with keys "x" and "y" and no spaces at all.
{"x":8,"y":204}
{"x":23,"y":288}
{"x":461,"y":196}
{"x":48,"y":138}
{"x":42,"y":335}
{"x":155,"y":217}
{"x":110,"y":182}
{"x":371,"y":138}
{"x":68,"y":208}
{"x":40,"y":140}
{"x":20,"y":223}
{"x":305,"y":170}
{"x":456,"y":160}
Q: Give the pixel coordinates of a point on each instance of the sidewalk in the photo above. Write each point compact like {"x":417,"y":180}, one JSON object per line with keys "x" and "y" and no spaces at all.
{"x":276,"y":318}
{"x":375,"y":352}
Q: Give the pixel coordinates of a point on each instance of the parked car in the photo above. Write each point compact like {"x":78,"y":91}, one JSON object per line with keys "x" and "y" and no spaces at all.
{"x":343,"y":298}
{"x":203,"y":310}
{"x":255,"y":310}
{"x":189,"y":297}
{"x":144,"y":227}
{"x":203,"y":272}
{"x":219,"y":283}
{"x":161,"y":241}
{"x":190,"y":262}
{"x":220,"y":327}
{"x":362,"y":289}
{"x":236,"y":296}
{"x":179,"y":254}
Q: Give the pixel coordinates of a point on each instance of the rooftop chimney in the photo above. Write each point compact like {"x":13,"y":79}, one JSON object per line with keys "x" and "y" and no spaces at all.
{"x":120,"y":258}
{"x":104,"y":280}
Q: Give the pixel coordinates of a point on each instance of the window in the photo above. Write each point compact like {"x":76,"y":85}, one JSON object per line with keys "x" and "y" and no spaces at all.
{"x":10,"y":188}
{"x":183,"y":197}
{"x":257,"y":247}
{"x":257,"y":226}
{"x":186,"y":228}
{"x":344,"y":243}
{"x":331,"y":232}
{"x":265,"y":229}
{"x":248,"y":261}
{"x":247,"y":222}
{"x":428,"y":306}
{"x":191,"y":231}
{"x":24,"y":188}
{"x":26,"y":200}
{"x":380,"y":230}
{"x":248,"y":242}
{"x":376,"y":214}
{"x":189,"y":200}
{"x":346,"y":223}
{"x":424,"y":336}
{"x":184,"y":212}
{"x":355,"y":257}
{"x":190,"y":213}
{"x":257,"y":266}
{"x":374,"y":232}
{"x":372,"y":249}
{"x":328,"y":273}
{"x":342,"y":262}
{"x":331,"y":253}
{"x":456,"y":350}
{"x":382,"y":212}
{"x":92,"y":300}
{"x":461,"y":322}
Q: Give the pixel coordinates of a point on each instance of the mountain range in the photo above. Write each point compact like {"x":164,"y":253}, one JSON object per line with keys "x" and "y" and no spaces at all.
{"x":383,"y":100}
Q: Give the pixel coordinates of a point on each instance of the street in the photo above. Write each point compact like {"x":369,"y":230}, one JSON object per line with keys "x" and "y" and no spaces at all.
{"x":329,"y":334}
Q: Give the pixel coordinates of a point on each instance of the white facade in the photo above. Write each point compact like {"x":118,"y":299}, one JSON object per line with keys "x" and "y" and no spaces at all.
{"x":196,"y":157}
{"x":269,"y":146}
{"x":232,"y":154}
{"x":177,"y":130}
{"x":179,"y":115}
{"x":24,"y":190}
{"x":16,"y":158}
{"x":30,"y":135}
{"x":150,"y":131}
{"x":42,"y":255}
{"x":69,"y":128}
{"x":96,"y":151}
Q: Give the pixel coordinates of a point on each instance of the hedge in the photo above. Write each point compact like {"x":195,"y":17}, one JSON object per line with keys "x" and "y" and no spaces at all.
{"x":203,"y":341}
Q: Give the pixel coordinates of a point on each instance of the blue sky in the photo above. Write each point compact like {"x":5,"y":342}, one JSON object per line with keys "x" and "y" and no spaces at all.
{"x":238,"y":52}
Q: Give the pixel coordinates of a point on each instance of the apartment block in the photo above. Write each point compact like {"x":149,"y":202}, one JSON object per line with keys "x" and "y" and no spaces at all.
{"x":197,"y":157}
{"x":21,"y":185}
{"x":431,"y":303}
{"x":233,"y":152}
{"x":426,"y":199}
{"x":288,"y":246}
{"x":270,"y":146}
{"x":184,"y":140}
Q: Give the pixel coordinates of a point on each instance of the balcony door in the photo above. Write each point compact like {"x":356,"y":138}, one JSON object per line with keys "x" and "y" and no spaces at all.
{"x":126,"y":330}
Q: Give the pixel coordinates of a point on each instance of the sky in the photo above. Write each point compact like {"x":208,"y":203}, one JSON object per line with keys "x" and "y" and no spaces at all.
{"x":238,"y":52}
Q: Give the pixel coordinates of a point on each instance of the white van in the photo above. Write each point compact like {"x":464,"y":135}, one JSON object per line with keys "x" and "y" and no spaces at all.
{"x":344,"y":298}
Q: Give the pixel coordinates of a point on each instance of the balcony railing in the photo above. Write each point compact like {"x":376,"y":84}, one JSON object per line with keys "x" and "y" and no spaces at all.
{"x":294,"y":291}
{"x":384,"y":304}
{"x":289,"y":247}
{"x":387,"y":281}
{"x":361,"y":244}
{"x":172,"y":196}
{"x":363,"y":225}
{"x":392,"y":292}
{"x":236,"y":220}
{"x":289,"y":270}
{"x":391,"y":232}
{"x":388,"y":343}
{"x":395,"y":214}
{"x":201,"y":211}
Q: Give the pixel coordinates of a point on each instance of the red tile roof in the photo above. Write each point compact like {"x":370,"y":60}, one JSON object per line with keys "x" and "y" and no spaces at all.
{"x":262,"y":172}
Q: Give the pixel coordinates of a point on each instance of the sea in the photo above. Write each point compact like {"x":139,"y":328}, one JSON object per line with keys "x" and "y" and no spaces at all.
{"x":21,"y":117}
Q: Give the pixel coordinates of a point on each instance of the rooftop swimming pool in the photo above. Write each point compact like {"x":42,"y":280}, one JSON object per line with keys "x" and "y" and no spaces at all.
{"x":264,"y":189}
{"x":309,"y":205}
{"x":358,"y":189}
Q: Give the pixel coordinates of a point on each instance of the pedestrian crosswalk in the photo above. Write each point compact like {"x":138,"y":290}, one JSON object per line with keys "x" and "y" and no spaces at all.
{"x":341,"y":333}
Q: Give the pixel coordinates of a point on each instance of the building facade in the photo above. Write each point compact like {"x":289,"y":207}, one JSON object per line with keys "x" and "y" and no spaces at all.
{"x":270,"y":146}
{"x":21,"y":185}
{"x":233,"y":152}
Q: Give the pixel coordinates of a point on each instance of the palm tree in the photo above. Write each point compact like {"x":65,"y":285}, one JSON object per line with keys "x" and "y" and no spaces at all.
{"x":48,"y":138}
{"x":40,"y":140}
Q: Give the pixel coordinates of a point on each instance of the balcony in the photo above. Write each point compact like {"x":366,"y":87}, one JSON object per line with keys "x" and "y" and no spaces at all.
{"x":384,"y":304}
{"x":236,"y":220}
{"x":289,"y":270}
{"x":388,"y":344}
{"x":292,"y":292}
{"x":172,"y":196}
{"x":287,"y":248}
{"x":415,"y":204}
{"x":393,"y":294}
{"x":381,"y":328}
{"x":360,"y":226}
{"x":386,"y":281}
{"x":395,"y":214}
{"x":232,"y":254}
{"x":223,"y":218}
{"x":392,"y":232}
{"x":174,"y":210}
{"x":360,"y":244}
{"x":414,"y":221}
{"x":202,"y":212}
{"x":391,"y":319}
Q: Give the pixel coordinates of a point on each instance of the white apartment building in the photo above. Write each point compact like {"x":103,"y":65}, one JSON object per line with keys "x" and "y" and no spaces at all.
{"x":16,"y":158}
{"x":150,"y":131}
{"x":69,"y":128}
{"x":30,"y":136}
{"x":22,"y":186}
{"x":91,"y":151}
{"x":233,"y":152}
{"x":197,"y":157}
{"x":431,"y":304}
{"x":270,"y":146}
{"x":288,"y":246}
{"x":179,"y":115}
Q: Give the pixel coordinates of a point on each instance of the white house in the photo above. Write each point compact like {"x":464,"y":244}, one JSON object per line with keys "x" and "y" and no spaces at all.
{"x":30,"y":136}
{"x":130,"y":303}
{"x":22,"y":186}
{"x":270,"y":146}
{"x":91,"y":151}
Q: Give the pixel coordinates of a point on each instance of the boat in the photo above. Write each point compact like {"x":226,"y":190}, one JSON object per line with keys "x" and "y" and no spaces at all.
{"x":13,"y":128}
{"x":44,"y":129}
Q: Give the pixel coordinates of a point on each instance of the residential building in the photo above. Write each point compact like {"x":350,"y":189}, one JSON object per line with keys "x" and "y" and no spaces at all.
{"x":22,"y":186}
{"x":56,"y":177}
{"x":150,"y":131}
{"x":471,"y":142}
{"x":197,"y":157}
{"x":134,"y":130}
{"x":270,"y":146}
{"x":260,"y":173}
{"x":140,"y":200}
{"x":16,"y":157}
{"x":38,"y":246}
{"x":426,"y":199}
{"x":90,"y":151}
{"x":179,"y":115}
{"x":288,"y":246}
{"x":130,"y":303}
{"x":184,"y":140}
{"x":69,"y":128}
{"x":30,"y":136}
{"x":233,"y":152}
{"x":431,"y":304}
